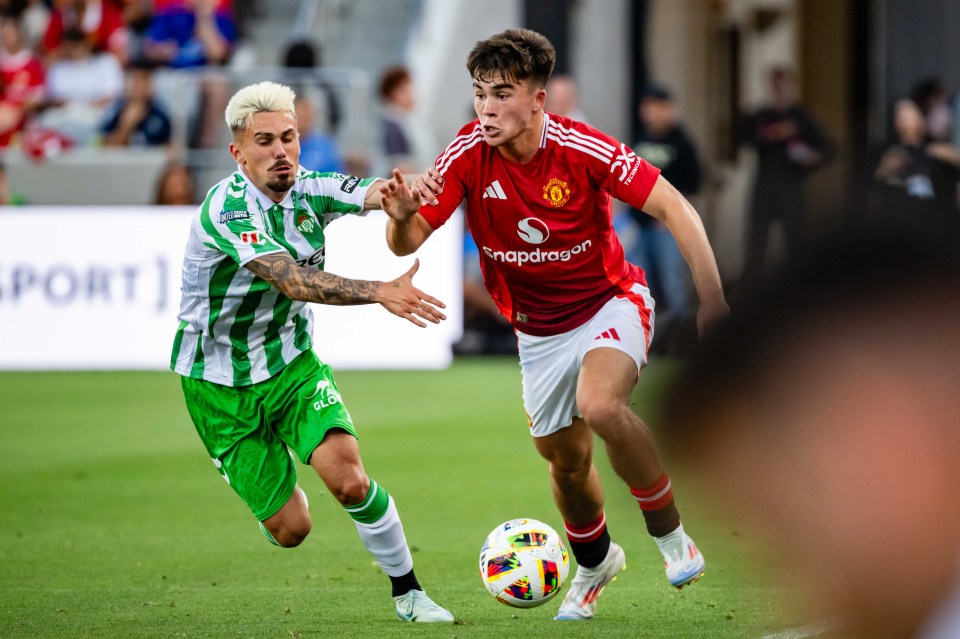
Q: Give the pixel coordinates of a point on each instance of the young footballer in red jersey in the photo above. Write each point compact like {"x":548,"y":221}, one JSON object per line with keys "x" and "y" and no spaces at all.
{"x":538,"y":190}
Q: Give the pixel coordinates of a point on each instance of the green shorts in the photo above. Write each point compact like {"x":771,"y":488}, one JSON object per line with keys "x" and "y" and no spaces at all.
{"x":248,"y":430}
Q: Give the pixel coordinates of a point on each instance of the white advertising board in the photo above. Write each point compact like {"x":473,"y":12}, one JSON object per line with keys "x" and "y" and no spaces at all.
{"x":99,"y":288}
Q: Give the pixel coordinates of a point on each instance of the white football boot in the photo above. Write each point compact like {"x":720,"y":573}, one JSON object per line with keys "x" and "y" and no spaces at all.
{"x":683,"y":562}
{"x":417,"y":606}
{"x":580,"y":601}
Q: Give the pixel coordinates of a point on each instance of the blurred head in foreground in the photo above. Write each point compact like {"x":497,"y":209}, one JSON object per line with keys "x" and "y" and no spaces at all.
{"x":826,"y":415}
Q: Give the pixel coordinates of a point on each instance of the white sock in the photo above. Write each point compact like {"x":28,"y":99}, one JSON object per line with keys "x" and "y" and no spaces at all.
{"x":385,"y":540}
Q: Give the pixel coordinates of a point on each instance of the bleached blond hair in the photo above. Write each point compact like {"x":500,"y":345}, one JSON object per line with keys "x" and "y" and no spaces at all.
{"x":257,"y":98}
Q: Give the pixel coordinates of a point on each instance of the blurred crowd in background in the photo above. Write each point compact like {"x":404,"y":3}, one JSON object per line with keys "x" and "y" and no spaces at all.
{"x":80,"y":74}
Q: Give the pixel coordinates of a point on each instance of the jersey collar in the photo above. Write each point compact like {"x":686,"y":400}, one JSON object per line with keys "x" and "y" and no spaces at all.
{"x":543,"y":133}
{"x":288,"y":201}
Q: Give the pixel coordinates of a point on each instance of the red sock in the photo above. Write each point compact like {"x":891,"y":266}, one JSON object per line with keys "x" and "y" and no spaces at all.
{"x":590,"y":543}
{"x":659,"y":511}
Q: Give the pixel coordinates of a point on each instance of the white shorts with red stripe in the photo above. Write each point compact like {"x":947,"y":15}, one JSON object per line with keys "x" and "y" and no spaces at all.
{"x":550,"y":366}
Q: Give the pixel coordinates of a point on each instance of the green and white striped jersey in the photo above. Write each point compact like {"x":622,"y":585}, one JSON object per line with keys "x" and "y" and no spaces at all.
{"x":235,"y":328}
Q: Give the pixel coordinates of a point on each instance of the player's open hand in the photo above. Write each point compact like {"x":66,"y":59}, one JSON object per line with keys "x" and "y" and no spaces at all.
{"x":397,"y":199}
{"x":430,"y":185}
{"x":403,"y":299}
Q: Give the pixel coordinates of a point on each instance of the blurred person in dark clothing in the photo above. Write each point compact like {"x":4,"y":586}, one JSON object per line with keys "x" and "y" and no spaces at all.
{"x":665,"y":144}
{"x":790,"y":146}
{"x":823,"y":416}
{"x":137,"y":119}
{"x":917,"y":176}
{"x":930,"y":94}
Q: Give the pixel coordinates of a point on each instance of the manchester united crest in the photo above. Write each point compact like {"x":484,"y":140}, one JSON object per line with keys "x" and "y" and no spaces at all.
{"x":556,"y":192}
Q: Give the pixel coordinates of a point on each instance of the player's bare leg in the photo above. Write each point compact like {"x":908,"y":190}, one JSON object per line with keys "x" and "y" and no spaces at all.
{"x":607,"y":377}
{"x":337,"y":461}
{"x":579,"y":497}
{"x":291,"y":524}
{"x":573,"y":478}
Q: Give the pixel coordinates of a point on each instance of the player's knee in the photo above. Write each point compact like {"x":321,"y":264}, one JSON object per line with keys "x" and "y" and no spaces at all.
{"x":292,"y":534}
{"x":600,"y":413}
{"x":288,"y":528}
{"x":351,"y":490}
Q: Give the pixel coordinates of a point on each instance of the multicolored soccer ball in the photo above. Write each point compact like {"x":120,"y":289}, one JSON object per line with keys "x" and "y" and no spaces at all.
{"x":523,"y":563}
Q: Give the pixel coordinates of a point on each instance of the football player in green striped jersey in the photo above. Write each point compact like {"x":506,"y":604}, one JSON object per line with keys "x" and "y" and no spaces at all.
{"x":253,"y":386}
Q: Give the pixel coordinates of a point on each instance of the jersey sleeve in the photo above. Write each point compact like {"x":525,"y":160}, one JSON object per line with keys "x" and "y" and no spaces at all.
{"x":453,"y":165}
{"x":235,"y":225}
{"x":620,"y":171}
{"x":333,"y":195}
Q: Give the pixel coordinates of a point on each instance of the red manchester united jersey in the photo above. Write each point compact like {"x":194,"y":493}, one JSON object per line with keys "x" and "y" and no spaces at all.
{"x":549,"y":255}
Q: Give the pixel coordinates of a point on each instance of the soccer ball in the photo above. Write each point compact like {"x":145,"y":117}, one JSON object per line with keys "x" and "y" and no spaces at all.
{"x":523,"y":563}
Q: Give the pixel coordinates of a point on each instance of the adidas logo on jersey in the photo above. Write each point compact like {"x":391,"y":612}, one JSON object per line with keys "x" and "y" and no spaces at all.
{"x":495,"y":191}
{"x":610,"y":333}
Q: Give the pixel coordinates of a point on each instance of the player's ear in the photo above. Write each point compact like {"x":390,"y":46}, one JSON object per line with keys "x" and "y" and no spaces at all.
{"x":539,"y":98}
{"x":236,"y":153}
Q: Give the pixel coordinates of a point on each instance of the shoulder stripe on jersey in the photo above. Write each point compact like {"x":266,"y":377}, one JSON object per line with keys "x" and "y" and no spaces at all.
{"x":601,"y":143}
{"x":562,"y":142}
{"x":584,"y":140}
{"x":445,"y":164}
{"x":457,"y":142}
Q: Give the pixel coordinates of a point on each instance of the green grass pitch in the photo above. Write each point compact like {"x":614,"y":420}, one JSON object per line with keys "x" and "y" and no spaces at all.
{"x":114,"y":522}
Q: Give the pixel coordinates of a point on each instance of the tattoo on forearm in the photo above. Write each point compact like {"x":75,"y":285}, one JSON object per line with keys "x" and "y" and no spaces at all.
{"x":297,"y":282}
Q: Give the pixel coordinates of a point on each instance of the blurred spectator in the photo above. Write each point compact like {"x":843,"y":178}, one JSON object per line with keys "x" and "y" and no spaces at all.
{"x":790,"y":146}
{"x":175,"y":186}
{"x":398,"y":100}
{"x":318,"y":151}
{"x":80,"y":85}
{"x":563,"y":98}
{"x":190,"y":33}
{"x":665,"y":144}
{"x":21,"y":77}
{"x":137,"y":15}
{"x":918,"y":177}
{"x":303,"y":57}
{"x":136,"y":118}
{"x":100,"y":22}
{"x":931,"y":96}
{"x":823,"y":418}
{"x":34,"y":18}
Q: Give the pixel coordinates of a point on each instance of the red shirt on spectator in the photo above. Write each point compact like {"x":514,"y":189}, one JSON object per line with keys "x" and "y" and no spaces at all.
{"x":102,"y":21}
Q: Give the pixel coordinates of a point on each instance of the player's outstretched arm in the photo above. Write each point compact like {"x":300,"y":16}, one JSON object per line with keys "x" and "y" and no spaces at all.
{"x":406,"y":228}
{"x":670,"y":207}
{"x":398,"y":296}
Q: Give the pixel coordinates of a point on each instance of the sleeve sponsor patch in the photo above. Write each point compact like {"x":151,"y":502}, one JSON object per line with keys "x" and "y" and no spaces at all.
{"x":253,"y":237}
{"x":229,"y":216}
{"x":349,"y":185}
